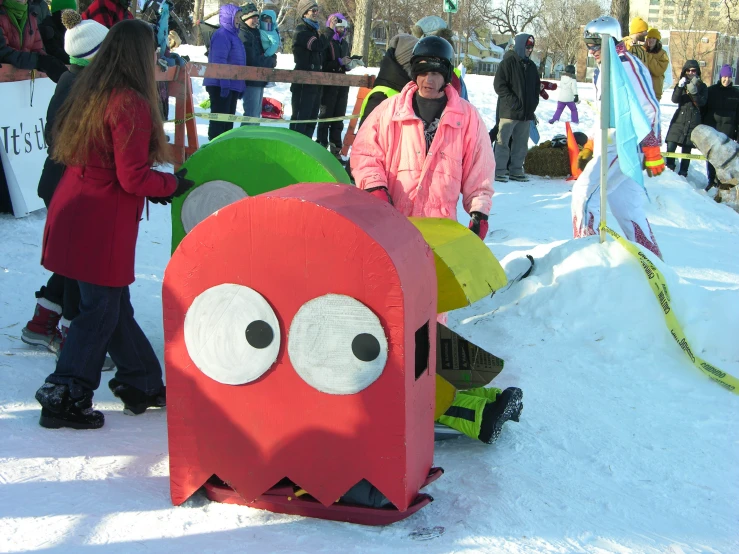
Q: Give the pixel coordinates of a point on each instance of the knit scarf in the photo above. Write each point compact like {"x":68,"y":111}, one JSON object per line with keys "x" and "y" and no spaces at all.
{"x":82,"y":62}
{"x":18,"y":15}
{"x":308,"y":22}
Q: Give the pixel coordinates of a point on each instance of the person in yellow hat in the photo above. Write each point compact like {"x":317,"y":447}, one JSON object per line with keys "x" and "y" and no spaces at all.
{"x":635,"y":41}
{"x":656,"y":60}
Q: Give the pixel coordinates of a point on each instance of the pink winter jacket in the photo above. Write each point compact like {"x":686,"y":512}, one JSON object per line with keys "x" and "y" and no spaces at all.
{"x":390,"y":151}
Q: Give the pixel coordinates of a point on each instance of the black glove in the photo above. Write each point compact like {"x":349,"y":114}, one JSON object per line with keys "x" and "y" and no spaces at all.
{"x":183,"y":185}
{"x":493,"y":134}
{"x":157,"y":200}
{"x":53,"y":67}
{"x":577,"y":99}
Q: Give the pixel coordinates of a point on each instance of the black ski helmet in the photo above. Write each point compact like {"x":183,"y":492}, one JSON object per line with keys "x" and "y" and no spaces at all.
{"x":570,"y":69}
{"x":432,"y":54}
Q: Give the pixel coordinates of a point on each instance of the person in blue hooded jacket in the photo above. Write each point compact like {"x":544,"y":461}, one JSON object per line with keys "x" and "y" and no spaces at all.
{"x":255,"y":57}
{"x":225,"y":48}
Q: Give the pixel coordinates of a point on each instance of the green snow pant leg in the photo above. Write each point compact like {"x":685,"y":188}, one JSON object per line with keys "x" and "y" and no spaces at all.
{"x":465,"y":413}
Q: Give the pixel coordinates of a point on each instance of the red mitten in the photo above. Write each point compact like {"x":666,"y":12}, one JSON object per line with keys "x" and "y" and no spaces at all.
{"x":381,"y":193}
{"x":479,"y":224}
{"x":544,"y":94}
{"x":546,"y":85}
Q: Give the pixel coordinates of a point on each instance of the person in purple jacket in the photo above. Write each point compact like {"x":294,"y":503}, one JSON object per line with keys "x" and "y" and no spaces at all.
{"x":225,"y":48}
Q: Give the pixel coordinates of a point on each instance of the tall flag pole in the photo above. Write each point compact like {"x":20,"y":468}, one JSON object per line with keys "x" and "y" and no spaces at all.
{"x":605,"y":121}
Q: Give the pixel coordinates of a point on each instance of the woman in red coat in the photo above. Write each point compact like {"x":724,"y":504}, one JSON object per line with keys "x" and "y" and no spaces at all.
{"x":108,"y":133}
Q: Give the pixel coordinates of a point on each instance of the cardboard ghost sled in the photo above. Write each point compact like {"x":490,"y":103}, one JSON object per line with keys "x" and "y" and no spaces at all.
{"x":300,"y":333}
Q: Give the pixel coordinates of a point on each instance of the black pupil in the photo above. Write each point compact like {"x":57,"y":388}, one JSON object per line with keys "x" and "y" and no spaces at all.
{"x":259,"y":334}
{"x":365,"y":347}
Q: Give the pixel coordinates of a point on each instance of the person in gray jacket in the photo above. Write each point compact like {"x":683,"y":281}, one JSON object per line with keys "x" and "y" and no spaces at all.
{"x":517,"y":85}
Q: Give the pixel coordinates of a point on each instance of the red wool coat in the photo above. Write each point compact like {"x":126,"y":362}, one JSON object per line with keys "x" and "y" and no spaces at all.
{"x":93,"y":219}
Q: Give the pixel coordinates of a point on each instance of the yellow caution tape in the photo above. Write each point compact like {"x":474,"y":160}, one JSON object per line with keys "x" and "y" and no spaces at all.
{"x":248,"y":119}
{"x":662,"y":294}
{"x":685,"y":156}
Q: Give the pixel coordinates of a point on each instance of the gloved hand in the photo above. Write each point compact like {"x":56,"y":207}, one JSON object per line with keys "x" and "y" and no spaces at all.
{"x":546,"y":85}
{"x":544,"y":94}
{"x":162,"y":63}
{"x":577,"y":99}
{"x":158,"y":200}
{"x":692,"y":86}
{"x":183,"y":184}
{"x":479,"y":224}
{"x":382,"y":193}
{"x":654,"y":163}
{"x":50,"y":65}
{"x":493,"y":134}
{"x":682,"y":82}
{"x":585,"y":155}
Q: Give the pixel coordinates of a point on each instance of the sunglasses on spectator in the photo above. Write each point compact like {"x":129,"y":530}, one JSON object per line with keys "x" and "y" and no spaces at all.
{"x":593,"y":47}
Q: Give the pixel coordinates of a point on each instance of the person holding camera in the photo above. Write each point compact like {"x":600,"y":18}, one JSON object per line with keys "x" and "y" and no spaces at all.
{"x":334,"y":99}
{"x":690,"y":95}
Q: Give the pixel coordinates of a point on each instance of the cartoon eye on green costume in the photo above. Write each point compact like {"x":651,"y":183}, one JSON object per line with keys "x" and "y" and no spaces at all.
{"x":245,"y":162}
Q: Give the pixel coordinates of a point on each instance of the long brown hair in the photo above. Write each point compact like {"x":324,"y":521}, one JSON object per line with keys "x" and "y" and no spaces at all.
{"x":125,"y":61}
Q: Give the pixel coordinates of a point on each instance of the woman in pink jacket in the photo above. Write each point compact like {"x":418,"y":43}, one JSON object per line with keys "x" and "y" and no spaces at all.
{"x":424,"y":146}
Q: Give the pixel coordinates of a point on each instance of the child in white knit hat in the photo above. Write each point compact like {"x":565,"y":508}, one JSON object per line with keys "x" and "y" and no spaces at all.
{"x":57,"y":303}
{"x":83,"y":37}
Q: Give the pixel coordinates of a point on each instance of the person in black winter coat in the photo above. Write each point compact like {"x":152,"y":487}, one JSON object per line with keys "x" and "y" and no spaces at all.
{"x":250,"y":35}
{"x":308,"y":51}
{"x":394,"y":74}
{"x":58,"y":301}
{"x":334,"y":99}
{"x":722,"y":112}
{"x":53,"y":30}
{"x":517,"y":85}
{"x":690,"y":95}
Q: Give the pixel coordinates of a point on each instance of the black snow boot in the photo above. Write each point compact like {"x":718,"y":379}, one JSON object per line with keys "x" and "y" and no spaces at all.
{"x":135,"y":402}
{"x":507,"y":406}
{"x":59,"y":409}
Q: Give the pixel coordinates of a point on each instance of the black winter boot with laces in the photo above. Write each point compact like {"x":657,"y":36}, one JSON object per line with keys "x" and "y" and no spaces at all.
{"x":59,"y":409}
{"x":507,"y":407}
{"x":135,"y":401}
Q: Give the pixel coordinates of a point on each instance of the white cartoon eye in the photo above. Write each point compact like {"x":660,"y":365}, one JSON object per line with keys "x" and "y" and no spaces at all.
{"x":232,"y":334}
{"x":337,"y":344}
{"x":207,"y":199}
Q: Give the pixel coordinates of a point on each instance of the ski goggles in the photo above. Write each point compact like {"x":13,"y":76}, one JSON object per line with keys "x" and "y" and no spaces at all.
{"x":593,"y":45}
{"x":530,"y":43}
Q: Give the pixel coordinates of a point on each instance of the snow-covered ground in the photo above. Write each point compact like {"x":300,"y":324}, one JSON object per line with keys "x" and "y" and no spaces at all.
{"x":623,"y":446}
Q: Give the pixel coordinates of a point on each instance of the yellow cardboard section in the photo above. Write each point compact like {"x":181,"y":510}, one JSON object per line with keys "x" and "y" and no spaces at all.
{"x":466,"y":269}
{"x":445,"y":392}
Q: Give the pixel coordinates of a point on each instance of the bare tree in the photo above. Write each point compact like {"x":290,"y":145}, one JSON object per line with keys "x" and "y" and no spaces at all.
{"x":620,"y":10}
{"x":362,"y":28}
{"x":515,"y":16}
{"x":559,"y":27}
{"x":692,"y":40}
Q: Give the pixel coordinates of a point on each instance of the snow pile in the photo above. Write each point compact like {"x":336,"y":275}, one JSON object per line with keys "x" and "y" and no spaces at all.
{"x":623,"y":446}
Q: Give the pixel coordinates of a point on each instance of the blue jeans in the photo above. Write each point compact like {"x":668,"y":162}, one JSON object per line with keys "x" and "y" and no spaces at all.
{"x":106,"y":324}
{"x":253,"y":102}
